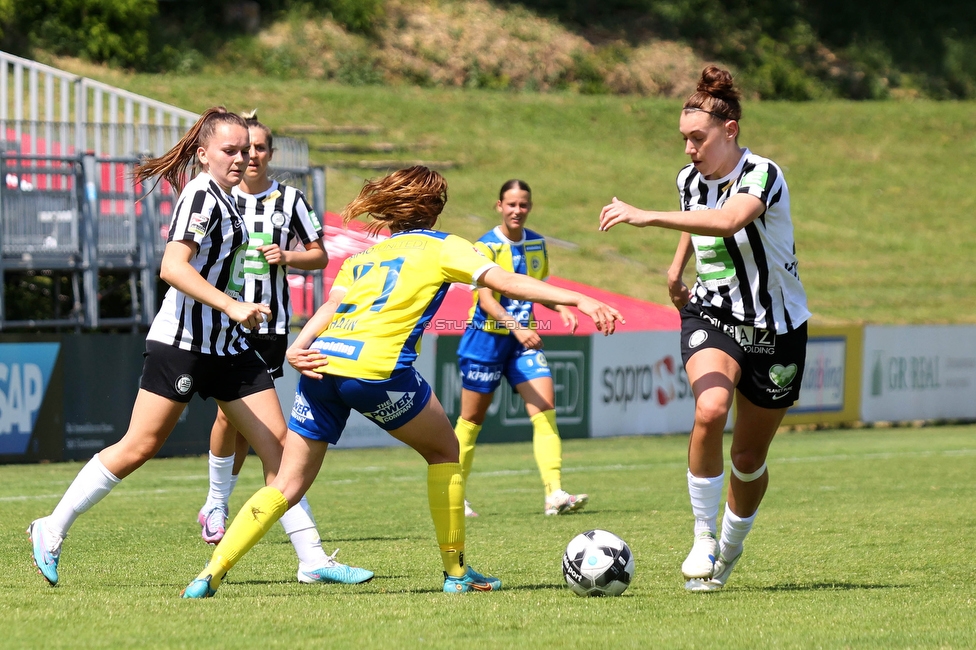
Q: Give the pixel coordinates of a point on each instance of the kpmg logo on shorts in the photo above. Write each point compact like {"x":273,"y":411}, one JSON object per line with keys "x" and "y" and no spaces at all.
{"x":390,"y":410}
{"x":300,"y":410}
{"x":474,"y":374}
{"x":183,"y":384}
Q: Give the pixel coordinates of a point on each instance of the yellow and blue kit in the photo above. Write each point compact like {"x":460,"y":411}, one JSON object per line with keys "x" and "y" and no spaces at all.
{"x":487,"y":351}
{"x":393,"y":290}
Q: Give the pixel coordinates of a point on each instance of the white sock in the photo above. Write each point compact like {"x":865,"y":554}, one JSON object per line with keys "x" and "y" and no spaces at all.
{"x":706,"y":495}
{"x":734,"y":531}
{"x":221,"y":482}
{"x":300,"y":527}
{"x":89,"y":487}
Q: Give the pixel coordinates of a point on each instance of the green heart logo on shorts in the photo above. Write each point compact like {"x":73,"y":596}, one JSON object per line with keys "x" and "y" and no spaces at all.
{"x":782,"y":376}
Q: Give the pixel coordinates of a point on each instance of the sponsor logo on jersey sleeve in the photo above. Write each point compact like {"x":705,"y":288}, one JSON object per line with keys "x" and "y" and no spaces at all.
{"x":198,"y":224}
{"x":315,"y":220}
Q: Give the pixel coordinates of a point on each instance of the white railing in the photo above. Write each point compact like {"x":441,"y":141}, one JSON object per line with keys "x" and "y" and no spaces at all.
{"x":44,"y":110}
{"x":50,"y":119}
{"x":47,"y":111}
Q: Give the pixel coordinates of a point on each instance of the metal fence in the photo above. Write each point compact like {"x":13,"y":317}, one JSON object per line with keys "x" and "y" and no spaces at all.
{"x":68,"y":145}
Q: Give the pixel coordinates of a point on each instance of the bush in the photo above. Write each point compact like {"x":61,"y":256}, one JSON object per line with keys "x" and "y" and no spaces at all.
{"x":113,"y":31}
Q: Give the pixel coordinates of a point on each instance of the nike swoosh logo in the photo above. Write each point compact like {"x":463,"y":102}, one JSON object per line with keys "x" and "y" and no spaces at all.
{"x":780,"y":395}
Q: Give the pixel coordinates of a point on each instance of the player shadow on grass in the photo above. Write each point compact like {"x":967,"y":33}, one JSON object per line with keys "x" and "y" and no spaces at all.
{"x":822,"y":586}
{"x":326,"y":541}
{"x":376,"y":585}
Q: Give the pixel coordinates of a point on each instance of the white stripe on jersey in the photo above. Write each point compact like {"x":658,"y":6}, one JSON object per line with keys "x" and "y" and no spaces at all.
{"x":750,"y":277}
{"x":207,"y":217}
{"x":281,"y":216}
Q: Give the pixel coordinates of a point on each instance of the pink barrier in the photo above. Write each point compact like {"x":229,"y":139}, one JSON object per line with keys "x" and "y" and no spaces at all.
{"x":341,"y":242}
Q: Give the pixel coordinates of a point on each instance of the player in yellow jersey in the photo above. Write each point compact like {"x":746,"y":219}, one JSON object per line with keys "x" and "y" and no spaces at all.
{"x":357,"y":352}
{"x":502,"y":341}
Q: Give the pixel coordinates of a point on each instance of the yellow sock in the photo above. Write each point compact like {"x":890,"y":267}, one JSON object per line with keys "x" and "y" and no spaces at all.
{"x":254,"y":520}
{"x":445,"y":493}
{"x":548,"y":450}
{"x":467,"y":435}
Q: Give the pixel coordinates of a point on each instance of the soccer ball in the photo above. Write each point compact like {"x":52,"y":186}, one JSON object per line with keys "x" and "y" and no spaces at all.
{"x":598,"y":563}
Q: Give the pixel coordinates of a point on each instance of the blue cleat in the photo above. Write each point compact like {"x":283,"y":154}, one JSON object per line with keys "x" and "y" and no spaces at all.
{"x":470,"y":581}
{"x":334,"y":572}
{"x":199,"y":588}
{"x":46,"y":554}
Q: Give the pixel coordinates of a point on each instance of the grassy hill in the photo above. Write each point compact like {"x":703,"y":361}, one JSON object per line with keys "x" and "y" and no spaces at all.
{"x":880,"y":191}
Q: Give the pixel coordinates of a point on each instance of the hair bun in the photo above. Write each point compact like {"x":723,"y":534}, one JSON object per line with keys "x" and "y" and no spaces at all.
{"x":250,"y":115}
{"x":718,"y":83}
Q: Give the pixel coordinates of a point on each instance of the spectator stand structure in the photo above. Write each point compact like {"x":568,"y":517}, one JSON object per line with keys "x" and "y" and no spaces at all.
{"x":68,"y":208}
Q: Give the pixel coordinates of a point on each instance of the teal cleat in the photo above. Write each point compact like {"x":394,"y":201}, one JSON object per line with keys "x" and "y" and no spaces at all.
{"x":199,"y":588}
{"x":46,"y":551}
{"x":470,"y":581}
{"x":334,"y":572}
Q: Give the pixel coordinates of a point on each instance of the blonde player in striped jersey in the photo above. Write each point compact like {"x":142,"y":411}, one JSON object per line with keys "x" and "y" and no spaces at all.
{"x":195,"y":343}
{"x":743,"y":323}
{"x":283,"y":232}
{"x":357,"y":352}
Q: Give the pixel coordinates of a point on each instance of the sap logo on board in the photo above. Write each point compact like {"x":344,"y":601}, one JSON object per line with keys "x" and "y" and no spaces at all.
{"x":660,"y":382}
{"x":21,"y":392}
{"x":25,"y":371}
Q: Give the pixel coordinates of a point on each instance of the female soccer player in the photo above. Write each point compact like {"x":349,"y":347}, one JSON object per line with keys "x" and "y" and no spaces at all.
{"x":357,"y":352}
{"x":278,"y":219}
{"x":502,"y":342}
{"x":196,"y":344}
{"x":743,"y":324}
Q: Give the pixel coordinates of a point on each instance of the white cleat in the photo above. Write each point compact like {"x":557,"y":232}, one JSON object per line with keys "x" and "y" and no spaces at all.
{"x":561,"y":502}
{"x":468,"y":512}
{"x":723,"y":569}
{"x":701,"y":560}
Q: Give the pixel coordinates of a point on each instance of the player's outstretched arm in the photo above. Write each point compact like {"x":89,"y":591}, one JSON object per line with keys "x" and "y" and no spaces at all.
{"x":523,"y":287}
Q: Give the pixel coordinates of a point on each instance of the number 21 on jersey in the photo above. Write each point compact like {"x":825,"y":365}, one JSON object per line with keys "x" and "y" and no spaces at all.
{"x":392,"y":270}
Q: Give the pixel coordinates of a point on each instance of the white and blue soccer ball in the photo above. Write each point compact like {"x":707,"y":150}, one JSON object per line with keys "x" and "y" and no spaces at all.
{"x":598,"y":563}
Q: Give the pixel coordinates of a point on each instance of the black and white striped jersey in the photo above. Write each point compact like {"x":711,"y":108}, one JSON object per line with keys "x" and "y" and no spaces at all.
{"x":280,"y":215}
{"x":752,"y":276}
{"x":208,"y":217}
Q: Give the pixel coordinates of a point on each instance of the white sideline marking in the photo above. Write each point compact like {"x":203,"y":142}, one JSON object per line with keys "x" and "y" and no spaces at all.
{"x":521,"y":472}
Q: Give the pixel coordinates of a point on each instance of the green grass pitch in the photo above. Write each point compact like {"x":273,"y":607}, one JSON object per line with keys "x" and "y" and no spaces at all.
{"x":864,"y":540}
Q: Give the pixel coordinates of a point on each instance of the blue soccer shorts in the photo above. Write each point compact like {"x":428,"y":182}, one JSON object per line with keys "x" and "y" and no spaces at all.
{"x":322,"y":406}
{"x":519,"y":367}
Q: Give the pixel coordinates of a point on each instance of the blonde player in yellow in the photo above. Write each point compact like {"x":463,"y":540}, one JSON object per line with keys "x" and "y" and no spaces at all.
{"x":357,"y":352}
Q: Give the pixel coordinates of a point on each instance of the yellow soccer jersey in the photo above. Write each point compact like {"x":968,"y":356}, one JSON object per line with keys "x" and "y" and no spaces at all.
{"x":393,"y":290}
{"x":528,"y":257}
